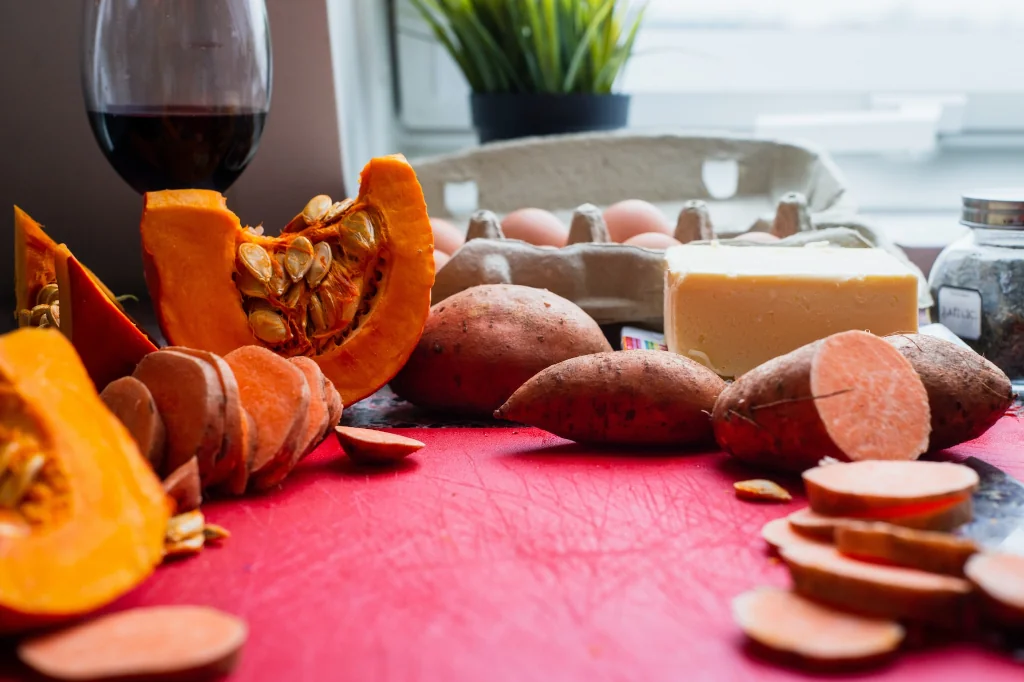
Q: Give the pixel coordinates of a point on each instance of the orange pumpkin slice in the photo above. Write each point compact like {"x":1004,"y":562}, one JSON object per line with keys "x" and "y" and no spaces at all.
{"x":346,"y":284}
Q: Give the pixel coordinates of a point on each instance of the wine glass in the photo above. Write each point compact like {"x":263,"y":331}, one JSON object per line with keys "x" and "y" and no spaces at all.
{"x":177,"y":91}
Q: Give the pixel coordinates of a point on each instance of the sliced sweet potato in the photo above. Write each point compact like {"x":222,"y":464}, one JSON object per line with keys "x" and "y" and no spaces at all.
{"x":823,"y":574}
{"x":152,"y":643}
{"x":231,"y":447}
{"x":1000,"y":579}
{"x":185,"y":487}
{"x":760,"y":490}
{"x":334,"y":408}
{"x":191,"y":402}
{"x":133,"y":404}
{"x":861,"y":489}
{"x":319,"y":416}
{"x":239,"y":478}
{"x":944,"y":518}
{"x":925,"y":550}
{"x":810,"y":634}
{"x":850,"y":396}
{"x":275,"y":393}
{"x":371,"y":445}
{"x":778,"y":533}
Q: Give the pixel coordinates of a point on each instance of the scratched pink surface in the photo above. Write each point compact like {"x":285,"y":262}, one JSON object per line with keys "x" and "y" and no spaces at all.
{"x":503,"y":554}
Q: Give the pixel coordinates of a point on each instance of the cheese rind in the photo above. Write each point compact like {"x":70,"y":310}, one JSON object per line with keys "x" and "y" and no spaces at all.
{"x":734,"y":307}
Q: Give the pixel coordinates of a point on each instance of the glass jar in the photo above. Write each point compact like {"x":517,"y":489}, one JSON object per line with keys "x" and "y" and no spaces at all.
{"x":978,"y":281}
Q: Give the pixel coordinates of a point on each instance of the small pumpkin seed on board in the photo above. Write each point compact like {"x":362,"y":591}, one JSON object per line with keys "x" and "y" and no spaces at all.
{"x":761,"y":490}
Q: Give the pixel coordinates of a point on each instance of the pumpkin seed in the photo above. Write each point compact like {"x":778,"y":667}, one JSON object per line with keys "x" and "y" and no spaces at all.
{"x":359,"y":231}
{"x":349,"y":309}
{"x":316,"y":313}
{"x":187,"y":547}
{"x":279,"y":281}
{"x":44,"y":323}
{"x":317,"y":207}
{"x":214,"y":533}
{"x":298,"y":258}
{"x":37,"y":313}
{"x":256,"y":260}
{"x":6,"y":455}
{"x":184,"y":526}
{"x":24,"y":318}
{"x":322,"y":259}
{"x":54,"y":314}
{"x":17,"y":483}
{"x":255,"y":231}
{"x":291,"y":299}
{"x":268,"y":326}
{"x":336,"y":211}
{"x":47,"y":295}
{"x":250,"y":286}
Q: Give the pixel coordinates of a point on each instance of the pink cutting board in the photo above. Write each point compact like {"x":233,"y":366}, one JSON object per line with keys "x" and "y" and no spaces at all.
{"x":509,"y":554}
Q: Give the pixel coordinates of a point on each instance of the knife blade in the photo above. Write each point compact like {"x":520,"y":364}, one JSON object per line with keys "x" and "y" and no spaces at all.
{"x":998,"y":522}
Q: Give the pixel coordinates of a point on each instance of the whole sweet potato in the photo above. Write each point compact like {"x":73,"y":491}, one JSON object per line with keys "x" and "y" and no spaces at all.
{"x":483,"y":343}
{"x":636,"y":397}
{"x":967,"y":394}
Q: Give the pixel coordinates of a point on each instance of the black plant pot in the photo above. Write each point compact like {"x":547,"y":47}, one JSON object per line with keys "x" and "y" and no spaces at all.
{"x":505,"y":116}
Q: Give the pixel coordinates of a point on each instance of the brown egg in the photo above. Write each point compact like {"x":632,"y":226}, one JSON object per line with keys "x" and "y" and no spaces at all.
{"x":447,"y":237}
{"x":536,"y":226}
{"x":758,"y":237}
{"x":653,"y":240}
{"x":440,"y":258}
{"x":632,"y":217}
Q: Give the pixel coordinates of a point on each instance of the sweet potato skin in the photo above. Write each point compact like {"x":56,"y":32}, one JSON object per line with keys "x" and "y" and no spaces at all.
{"x":635,"y":398}
{"x":483,"y":343}
{"x":967,"y":394}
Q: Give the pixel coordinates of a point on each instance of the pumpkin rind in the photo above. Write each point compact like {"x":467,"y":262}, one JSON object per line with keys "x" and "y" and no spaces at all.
{"x":97,"y":529}
{"x":190,"y":244}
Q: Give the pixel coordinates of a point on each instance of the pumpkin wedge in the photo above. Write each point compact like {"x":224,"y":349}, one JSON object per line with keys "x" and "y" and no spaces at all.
{"x":108,"y":341}
{"x":346,"y":283}
{"x":91,"y":512}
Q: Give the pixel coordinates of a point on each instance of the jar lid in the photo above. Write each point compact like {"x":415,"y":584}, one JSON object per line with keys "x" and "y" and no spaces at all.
{"x":994,"y":209}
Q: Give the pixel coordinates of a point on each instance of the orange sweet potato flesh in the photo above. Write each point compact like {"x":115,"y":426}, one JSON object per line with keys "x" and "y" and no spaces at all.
{"x":885,"y":543}
{"x":945,"y":517}
{"x":967,"y":394}
{"x":132,"y":403}
{"x":851,"y":396}
{"x":275,"y":393}
{"x":826,"y":576}
{"x":188,"y":394}
{"x":179,"y":643}
{"x":185,"y":487}
{"x":809,"y":634}
{"x":863,"y":489}
{"x":190,"y":242}
{"x":106,"y":338}
{"x":238,"y":481}
{"x":1000,"y":579}
{"x":319,"y":417}
{"x":779,"y":533}
{"x":96,"y":511}
{"x":634,"y":398}
{"x":371,"y":445}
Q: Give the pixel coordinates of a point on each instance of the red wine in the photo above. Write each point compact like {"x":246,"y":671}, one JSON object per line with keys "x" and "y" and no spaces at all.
{"x":156,"y":148}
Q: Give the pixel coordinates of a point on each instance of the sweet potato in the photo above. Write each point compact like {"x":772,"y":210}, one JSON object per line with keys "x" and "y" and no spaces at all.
{"x":190,"y":400}
{"x":238,"y":481}
{"x":1000,"y":579}
{"x":275,"y":393}
{"x":185,"y":487}
{"x":967,"y":394}
{"x":153,"y":643}
{"x":368,"y":446}
{"x":634,"y":398}
{"x":483,"y":343}
{"x":335,"y":407}
{"x":943,"y":518}
{"x":863,"y":489}
{"x":811,"y":634}
{"x":318,"y":415}
{"x":133,"y":404}
{"x":824,"y":575}
{"x":925,"y":550}
{"x":760,"y":490}
{"x":778,"y":533}
{"x":850,"y":396}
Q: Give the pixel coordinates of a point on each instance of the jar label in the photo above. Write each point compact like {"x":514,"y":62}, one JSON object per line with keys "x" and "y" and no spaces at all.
{"x":960,"y":311}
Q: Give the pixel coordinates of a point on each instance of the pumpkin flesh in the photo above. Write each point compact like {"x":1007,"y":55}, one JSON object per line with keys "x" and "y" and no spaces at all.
{"x":89,"y":525}
{"x":348,"y":286}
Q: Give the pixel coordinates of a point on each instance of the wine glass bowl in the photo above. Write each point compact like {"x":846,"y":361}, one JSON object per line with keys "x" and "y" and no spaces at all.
{"x":177,"y":91}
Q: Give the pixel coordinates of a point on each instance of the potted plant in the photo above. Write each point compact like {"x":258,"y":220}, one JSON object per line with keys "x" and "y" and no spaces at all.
{"x":538,"y":67}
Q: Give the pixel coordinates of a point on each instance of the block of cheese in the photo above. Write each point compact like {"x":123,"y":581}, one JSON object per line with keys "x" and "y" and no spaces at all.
{"x":734,"y":307}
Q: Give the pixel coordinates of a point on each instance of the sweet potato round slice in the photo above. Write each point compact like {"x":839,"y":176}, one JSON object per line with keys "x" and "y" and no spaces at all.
{"x":826,"y":576}
{"x":185,"y":487}
{"x":231,"y":448}
{"x":862,"y":488}
{"x":319,"y":416}
{"x":946,"y":518}
{"x":925,"y":550}
{"x":813,"y":634}
{"x":778,"y":533}
{"x":154,"y":643}
{"x":1000,"y":578}
{"x":371,"y":445}
{"x":190,"y":400}
{"x":133,"y":404}
{"x":275,"y":393}
{"x":239,"y":478}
